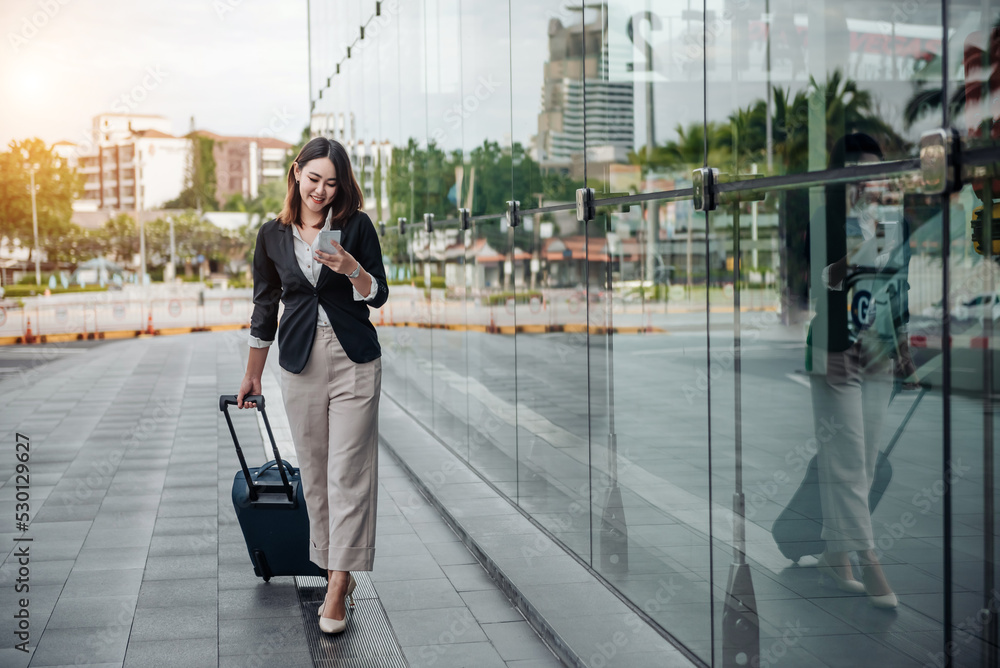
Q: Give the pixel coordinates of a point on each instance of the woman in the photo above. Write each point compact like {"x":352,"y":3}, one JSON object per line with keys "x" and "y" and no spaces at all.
{"x":329,"y":356}
{"x":857,"y":343}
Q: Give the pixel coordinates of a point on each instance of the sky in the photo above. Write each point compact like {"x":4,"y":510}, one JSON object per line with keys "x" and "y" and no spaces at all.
{"x":239,"y":67}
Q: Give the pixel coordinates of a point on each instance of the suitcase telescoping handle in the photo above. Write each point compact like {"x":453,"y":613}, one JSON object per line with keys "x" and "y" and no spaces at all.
{"x":227,"y":400}
{"x":902,"y":425}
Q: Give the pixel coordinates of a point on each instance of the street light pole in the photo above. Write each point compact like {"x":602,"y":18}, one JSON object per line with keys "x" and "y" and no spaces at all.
{"x":173,"y":250}
{"x":34,"y":224}
{"x":138,"y":217}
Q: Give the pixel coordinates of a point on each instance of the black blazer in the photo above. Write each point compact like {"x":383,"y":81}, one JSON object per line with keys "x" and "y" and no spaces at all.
{"x":276,"y":275}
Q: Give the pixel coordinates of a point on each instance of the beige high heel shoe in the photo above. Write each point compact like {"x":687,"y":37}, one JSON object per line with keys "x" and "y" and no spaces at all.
{"x":843,"y":584}
{"x":330,"y":625}
{"x":884,"y":601}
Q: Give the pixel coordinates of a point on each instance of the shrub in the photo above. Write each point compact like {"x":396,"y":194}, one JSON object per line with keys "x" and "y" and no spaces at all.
{"x":418,"y":281}
{"x":500,"y":298}
{"x":15,"y":291}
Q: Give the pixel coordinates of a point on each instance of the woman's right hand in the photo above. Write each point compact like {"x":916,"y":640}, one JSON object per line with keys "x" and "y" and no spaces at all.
{"x":249,"y":386}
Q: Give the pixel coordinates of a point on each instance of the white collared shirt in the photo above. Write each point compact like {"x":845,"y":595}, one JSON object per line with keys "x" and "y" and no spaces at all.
{"x":305,"y":255}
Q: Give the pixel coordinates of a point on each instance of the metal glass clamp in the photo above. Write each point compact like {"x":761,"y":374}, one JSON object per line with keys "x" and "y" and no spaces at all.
{"x":464,"y":218}
{"x":381,"y":228}
{"x":939,"y":164}
{"x":429,"y":222}
{"x":401,"y":226}
{"x":703,"y":182}
{"x":585,"y":207}
{"x":513,"y":213}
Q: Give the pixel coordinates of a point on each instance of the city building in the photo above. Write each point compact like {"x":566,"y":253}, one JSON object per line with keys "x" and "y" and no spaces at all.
{"x":370,"y":158}
{"x":121,"y":145}
{"x":108,"y":164}
{"x":244,"y":164}
{"x":564,"y":130}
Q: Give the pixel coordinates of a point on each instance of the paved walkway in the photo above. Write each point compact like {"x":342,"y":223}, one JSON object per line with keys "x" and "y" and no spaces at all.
{"x":135,"y":557}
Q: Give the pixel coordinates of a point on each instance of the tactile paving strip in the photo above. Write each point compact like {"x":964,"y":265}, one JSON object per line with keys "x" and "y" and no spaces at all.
{"x":368,"y":641}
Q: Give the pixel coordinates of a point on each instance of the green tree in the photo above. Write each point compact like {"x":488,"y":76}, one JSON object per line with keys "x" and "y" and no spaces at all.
{"x":76,"y":245}
{"x":199,"y":179}
{"x":268,"y":203}
{"x":193,"y":236}
{"x":304,"y":138}
{"x":56,"y":185}
{"x":377,"y":185}
{"x":120,"y":238}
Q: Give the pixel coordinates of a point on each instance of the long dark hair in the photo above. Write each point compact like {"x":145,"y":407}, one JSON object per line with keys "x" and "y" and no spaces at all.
{"x":349,"y":197}
{"x":846,"y":149}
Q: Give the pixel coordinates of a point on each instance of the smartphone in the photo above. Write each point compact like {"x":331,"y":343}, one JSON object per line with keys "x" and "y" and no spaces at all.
{"x":326,"y":237}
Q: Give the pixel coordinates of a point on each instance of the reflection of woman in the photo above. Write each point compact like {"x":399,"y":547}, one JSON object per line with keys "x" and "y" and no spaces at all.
{"x":859,"y":278}
{"x":329,"y":357}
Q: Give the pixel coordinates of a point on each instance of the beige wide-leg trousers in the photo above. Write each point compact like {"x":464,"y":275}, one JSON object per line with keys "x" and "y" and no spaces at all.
{"x":849,"y":407}
{"x":332,"y":408}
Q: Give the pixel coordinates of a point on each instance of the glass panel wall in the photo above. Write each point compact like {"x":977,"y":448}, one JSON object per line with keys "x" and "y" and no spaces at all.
{"x":971,"y":470}
{"x":818,"y":541}
{"x":553,"y":470}
{"x":701,"y":401}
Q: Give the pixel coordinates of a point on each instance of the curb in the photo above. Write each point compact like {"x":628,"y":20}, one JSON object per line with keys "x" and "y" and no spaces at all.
{"x":116,"y":334}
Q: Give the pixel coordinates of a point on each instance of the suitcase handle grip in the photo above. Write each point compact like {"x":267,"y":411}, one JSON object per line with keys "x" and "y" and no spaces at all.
{"x":287,"y":465}
{"x":227,"y":400}
{"x":231,"y":400}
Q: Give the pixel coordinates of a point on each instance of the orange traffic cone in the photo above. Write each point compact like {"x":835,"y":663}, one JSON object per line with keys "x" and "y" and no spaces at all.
{"x":381,"y":317}
{"x":149,"y":324}
{"x":28,"y":336}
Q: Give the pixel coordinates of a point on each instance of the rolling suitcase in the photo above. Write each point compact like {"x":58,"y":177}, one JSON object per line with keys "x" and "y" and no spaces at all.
{"x":798,"y":529}
{"x":270,"y":508}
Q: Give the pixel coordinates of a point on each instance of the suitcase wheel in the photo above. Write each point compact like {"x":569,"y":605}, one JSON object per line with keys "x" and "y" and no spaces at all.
{"x":260,"y":566}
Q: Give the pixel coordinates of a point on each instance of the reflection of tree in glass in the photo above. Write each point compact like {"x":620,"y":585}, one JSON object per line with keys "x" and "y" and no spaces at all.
{"x":741,"y":140}
{"x":928,"y":97}
{"x":426,"y":180}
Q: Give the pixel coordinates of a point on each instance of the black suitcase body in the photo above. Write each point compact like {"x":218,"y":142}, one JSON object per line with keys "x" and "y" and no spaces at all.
{"x":270,"y":508}
{"x":798,"y":530}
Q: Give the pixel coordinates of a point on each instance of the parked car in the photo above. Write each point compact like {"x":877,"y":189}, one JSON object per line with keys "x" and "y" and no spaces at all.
{"x":981,"y":306}
{"x":973,"y":308}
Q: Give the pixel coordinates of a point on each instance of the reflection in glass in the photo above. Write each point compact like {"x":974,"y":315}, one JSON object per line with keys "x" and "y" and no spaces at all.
{"x":854,"y":350}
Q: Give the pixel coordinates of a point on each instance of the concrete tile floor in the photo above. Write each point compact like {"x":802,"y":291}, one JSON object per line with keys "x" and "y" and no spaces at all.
{"x":136,"y":557}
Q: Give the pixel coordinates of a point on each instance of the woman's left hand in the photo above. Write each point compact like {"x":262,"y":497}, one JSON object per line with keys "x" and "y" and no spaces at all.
{"x":341,"y":262}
